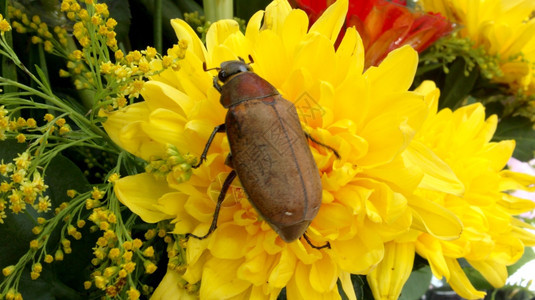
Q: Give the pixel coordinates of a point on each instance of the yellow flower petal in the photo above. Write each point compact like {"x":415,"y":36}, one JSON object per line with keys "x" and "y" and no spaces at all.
{"x":382,"y":151}
{"x":507,"y":250}
{"x":140,"y":193}
{"x":276,"y":13}
{"x":124,"y":128}
{"x":347,"y":286}
{"x":355,"y":84}
{"x":160,"y":126}
{"x":312,"y":47}
{"x":283,"y":270}
{"x":324,"y":274}
{"x":135,"y":140}
{"x":494,"y":272}
{"x":430,"y":248}
{"x":229,"y":242}
{"x":333,"y":214}
{"x":399,"y":173}
{"x":435,"y":219}
{"x":383,"y":205}
{"x":253,"y":26}
{"x":160,"y":95}
{"x":185,"y":32}
{"x":360,"y":254}
{"x":173,"y":204}
{"x":387,"y":78}
{"x":516,"y":181}
{"x":255,"y":269}
{"x":273,"y":71}
{"x":300,"y":287}
{"x":219,"y":32}
{"x":171,"y":289}
{"x":216,"y":284}
{"x":387,"y":280}
{"x":438,"y":175}
{"x":460,"y":283}
{"x":331,"y":21}
{"x":515,"y":205}
{"x":294,"y":29}
{"x":350,"y":55}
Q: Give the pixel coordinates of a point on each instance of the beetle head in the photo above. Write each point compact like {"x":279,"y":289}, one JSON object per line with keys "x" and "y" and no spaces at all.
{"x":231,"y":68}
{"x":292,"y":232}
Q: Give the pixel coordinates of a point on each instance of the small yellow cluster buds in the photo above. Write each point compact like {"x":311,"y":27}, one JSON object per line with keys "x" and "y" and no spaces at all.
{"x":8,"y":270}
{"x":35,"y":26}
{"x":133,"y":294}
{"x":66,"y":246}
{"x":48,"y":258}
{"x":180,"y":166}
{"x":72,"y":231}
{"x":150,"y":267}
{"x":4,"y":25}
{"x":58,"y":255}
{"x":36,"y":271}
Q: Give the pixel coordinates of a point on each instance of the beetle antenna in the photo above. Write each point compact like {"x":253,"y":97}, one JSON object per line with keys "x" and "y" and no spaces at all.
{"x":251,"y":60}
{"x":205,"y":69}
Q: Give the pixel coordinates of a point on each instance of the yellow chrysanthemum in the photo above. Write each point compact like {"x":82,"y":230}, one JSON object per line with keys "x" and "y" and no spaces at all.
{"x":492,"y":238}
{"x":503,"y":28}
{"x":370,"y":196}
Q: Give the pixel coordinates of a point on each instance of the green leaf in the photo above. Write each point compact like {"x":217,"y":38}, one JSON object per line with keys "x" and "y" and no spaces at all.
{"x":244,"y":9}
{"x":477,"y":280}
{"x":520,"y":129}
{"x":59,"y":280}
{"x":120,"y":11}
{"x":62,"y":175}
{"x":362,"y":289}
{"x":188,"y":6}
{"x":169,"y":11}
{"x":43,"y":77}
{"x":457,"y":85}
{"x":47,"y":286}
{"x":417,"y":284}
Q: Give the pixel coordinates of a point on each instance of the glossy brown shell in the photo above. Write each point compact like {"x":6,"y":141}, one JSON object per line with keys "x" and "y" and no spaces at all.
{"x":271,"y":156}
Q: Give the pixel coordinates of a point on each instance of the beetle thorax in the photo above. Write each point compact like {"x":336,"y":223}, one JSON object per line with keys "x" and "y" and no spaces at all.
{"x":245,"y":86}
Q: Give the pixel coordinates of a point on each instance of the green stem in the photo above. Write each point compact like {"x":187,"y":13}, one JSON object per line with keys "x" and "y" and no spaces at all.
{"x":77,"y":117}
{"x":215,"y":10}
{"x":9,"y":70}
{"x":158,"y":25}
{"x":42,"y":62}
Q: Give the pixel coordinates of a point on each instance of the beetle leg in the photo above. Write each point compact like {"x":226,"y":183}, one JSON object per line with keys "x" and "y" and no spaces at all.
{"x":322,"y":144}
{"x":216,"y":85}
{"x":228,"y":160}
{"x":327,"y":245}
{"x":217,"y":129}
{"x":222,"y":194}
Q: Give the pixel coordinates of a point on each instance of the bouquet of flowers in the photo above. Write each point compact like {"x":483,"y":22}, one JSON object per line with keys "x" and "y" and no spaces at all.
{"x":114,"y":181}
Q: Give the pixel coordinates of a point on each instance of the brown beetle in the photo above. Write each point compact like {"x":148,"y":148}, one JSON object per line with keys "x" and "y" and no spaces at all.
{"x":268,"y":151}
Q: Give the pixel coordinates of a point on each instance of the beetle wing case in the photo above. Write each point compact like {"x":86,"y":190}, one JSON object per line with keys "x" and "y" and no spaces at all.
{"x":272,"y":158}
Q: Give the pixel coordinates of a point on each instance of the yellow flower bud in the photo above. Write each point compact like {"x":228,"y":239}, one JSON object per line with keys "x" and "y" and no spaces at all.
{"x":87,"y":285}
{"x":150,"y":267}
{"x":149,"y":252}
{"x":8,"y":270}
{"x":133,"y":294}
{"x":137,"y":243}
{"x":58,"y":255}
{"x":49,"y":258}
